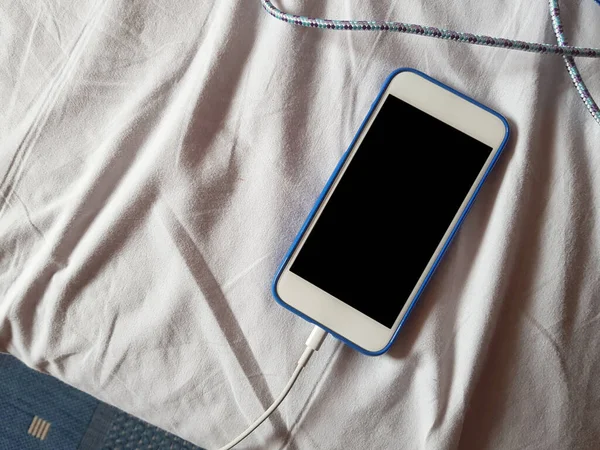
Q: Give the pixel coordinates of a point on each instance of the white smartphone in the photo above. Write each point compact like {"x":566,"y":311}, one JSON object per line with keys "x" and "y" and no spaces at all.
{"x":390,"y":210}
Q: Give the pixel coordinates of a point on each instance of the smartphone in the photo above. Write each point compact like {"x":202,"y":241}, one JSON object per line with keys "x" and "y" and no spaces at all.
{"x":389,"y":211}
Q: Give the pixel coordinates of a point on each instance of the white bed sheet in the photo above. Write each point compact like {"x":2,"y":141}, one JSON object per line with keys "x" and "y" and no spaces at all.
{"x":157,"y":159}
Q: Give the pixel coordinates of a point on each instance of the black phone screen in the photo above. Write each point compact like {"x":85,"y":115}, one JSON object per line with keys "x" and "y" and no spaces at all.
{"x":390,"y":210}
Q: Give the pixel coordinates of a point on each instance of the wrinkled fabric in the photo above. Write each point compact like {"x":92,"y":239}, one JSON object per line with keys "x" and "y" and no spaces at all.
{"x":158,"y":158}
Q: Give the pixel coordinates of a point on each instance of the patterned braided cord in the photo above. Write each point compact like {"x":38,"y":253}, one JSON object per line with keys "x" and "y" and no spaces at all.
{"x":585,"y":95}
{"x":562,"y":48}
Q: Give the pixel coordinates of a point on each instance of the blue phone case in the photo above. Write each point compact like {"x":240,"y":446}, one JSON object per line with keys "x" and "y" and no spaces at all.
{"x":328,"y":186}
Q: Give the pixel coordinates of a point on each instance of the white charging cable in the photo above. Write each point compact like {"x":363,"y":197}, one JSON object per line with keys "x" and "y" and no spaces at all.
{"x":313,"y":344}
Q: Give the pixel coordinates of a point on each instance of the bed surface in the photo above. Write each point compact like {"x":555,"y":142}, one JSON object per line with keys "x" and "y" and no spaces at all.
{"x":157,"y":160}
